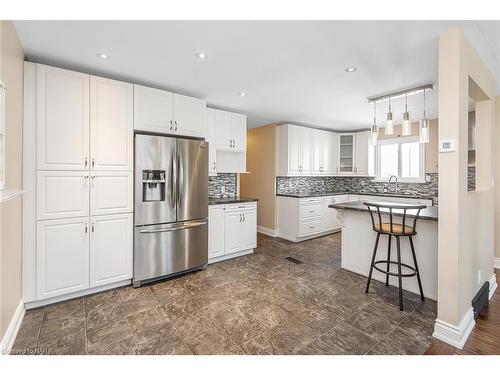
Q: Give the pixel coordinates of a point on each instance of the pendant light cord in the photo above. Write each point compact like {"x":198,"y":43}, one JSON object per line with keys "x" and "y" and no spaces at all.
{"x":424,"y":103}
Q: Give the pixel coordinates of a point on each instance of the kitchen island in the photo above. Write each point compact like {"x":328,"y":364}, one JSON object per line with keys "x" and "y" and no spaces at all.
{"x":358,"y":240}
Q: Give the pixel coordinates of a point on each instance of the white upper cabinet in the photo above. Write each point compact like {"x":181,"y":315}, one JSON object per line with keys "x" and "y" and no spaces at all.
{"x":294,"y":150}
{"x":239,"y":132}
{"x":111,"y":192}
{"x":211,"y":139}
{"x":364,"y":160}
{"x":231,"y":131}
{"x":62,"y":118}
{"x":346,"y":153}
{"x":160,"y":111}
{"x":331,"y":153}
{"x":62,"y":257}
{"x":111,"y":241}
{"x":189,"y":116}
{"x":223,"y":125}
{"x":111,"y":124}
{"x":153,"y":110}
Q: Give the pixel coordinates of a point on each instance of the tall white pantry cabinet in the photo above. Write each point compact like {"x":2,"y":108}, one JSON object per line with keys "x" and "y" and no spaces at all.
{"x":78,"y":181}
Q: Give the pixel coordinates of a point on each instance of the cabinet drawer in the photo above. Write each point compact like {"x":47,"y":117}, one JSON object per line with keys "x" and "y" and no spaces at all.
{"x":62,"y":194}
{"x":241,"y":206}
{"x":337,"y":199}
{"x":307,"y":201}
{"x":310,"y":227}
{"x":310,"y":211}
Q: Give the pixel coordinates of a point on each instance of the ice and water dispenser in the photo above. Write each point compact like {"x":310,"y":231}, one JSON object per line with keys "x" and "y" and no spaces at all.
{"x":153,"y":185}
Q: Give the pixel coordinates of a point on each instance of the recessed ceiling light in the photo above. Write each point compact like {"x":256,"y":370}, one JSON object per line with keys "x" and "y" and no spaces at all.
{"x":103,"y":55}
{"x":351,"y":69}
{"x":242,"y":93}
{"x":201,"y":55}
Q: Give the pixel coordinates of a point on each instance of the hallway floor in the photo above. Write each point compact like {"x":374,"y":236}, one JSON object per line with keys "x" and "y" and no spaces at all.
{"x":256,"y":304}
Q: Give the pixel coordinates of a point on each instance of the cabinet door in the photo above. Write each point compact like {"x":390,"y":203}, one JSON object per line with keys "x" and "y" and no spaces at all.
{"x":318,"y":151}
{"x":239,"y":131}
{"x":294,"y":148}
{"x":305,"y":149}
{"x":211,"y":139}
{"x":363,"y":140}
{"x":223,"y":133}
{"x":111,"y":124}
{"x":233,"y":235}
{"x":62,"y":194}
{"x":62,"y":256}
{"x":153,"y":110}
{"x":332,"y":222}
{"x":189,"y":116}
{"x":111,"y":239}
{"x":111,"y":192}
{"x":346,"y":153}
{"x":216,"y":231}
{"x":62,"y":116}
{"x":332,"y":153}
{"x":249,"y":230}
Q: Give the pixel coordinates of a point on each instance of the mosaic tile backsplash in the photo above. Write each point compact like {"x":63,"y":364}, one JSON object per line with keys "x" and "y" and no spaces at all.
{"x":356,"y":185}
{"x":229,"y":180}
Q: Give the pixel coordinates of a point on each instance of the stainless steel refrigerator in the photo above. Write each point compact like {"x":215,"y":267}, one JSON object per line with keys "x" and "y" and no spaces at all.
{"x":171,"y":206}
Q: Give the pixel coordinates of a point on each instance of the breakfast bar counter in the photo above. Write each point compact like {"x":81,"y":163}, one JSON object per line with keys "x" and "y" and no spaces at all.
{"x":358,"y":239}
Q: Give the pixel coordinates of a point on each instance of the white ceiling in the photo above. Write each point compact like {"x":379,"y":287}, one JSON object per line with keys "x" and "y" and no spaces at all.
{"x":292,"y":71}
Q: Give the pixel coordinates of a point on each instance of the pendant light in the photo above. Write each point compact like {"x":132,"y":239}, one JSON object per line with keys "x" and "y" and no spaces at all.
{"x":374,"y":126}
{"x":406,"y":127}
{"x":424,"y":127}
{"x":389,"y":125}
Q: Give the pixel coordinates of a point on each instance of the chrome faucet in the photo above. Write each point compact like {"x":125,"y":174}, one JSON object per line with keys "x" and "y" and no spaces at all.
{"x":396,"y":182}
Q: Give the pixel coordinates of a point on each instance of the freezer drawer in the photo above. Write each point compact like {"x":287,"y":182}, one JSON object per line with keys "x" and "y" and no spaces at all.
{"x":161,"y":250}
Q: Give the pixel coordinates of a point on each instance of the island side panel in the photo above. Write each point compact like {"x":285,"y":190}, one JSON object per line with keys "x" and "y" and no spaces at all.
{"x":358,"y":240}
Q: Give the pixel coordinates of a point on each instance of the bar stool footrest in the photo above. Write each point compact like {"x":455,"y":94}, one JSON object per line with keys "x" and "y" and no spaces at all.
{"x":414,"y":271}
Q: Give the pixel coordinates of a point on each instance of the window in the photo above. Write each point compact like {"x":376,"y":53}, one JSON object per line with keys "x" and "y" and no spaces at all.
{"x":402,"y":157}
{"x":2,"y":136}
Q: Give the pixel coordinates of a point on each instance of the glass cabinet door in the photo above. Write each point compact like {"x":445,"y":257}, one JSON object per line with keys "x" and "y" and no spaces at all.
{"x":346,"y":153}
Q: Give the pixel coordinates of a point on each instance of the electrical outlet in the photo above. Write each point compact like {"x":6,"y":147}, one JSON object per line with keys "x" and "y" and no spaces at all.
{"x":223,"y":190}
{"x":479,"y":277}
{"x":427,"y":178}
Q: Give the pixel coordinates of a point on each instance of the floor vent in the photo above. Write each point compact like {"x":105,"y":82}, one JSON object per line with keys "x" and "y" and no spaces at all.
{"x":293,"y":260}
{"x":480,"y":301}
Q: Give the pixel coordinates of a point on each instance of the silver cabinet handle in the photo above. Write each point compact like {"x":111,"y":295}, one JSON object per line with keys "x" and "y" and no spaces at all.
{"x":92,"y":177}
{"x":172,"y":229}
{"x":175,"y":122}
{"x":86,"y":228}
{"x":86,"y":176}
{"x":240,"y":218}
{"x":171,"y":125}
{"x":93,"y":162}
{"x":86,"y":161}
{"x":244,"y":217}
{"x":92,"y":226}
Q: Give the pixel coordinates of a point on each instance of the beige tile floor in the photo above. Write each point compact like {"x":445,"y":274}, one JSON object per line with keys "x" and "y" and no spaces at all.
{"x":256,"y":304}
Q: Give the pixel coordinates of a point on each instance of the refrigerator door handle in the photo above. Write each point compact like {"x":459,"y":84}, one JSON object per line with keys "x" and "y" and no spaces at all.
{"x":174,"y":228}
{"x":180,"y":181}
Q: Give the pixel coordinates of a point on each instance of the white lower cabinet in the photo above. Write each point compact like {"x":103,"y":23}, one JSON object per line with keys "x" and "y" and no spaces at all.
{"x":111,"y":242}
{"x":216,"y":231}
{"x":233,"y":236}
{"x":111,"y":192}
{"x":232,"y":230}
{"x":62,"y":256}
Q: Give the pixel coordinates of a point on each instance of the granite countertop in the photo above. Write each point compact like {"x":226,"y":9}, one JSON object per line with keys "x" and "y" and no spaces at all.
{"x":228,"y":200}
{"x":429,"y":213}
{"x":331,"y":193}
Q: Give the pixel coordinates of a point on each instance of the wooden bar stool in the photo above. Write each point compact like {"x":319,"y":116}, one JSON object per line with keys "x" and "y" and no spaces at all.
{"x":397,"y":230}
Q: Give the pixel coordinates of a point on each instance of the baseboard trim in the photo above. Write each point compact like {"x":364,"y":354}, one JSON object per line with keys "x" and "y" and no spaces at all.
{"x":65,"y":297}
{"x":11,"y":333}
{"x":452,"y":334}
{"x":493,"y":285}
{"x":496,"y":263}
{"x":267,"y":231}
{"x":230,"y":256}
